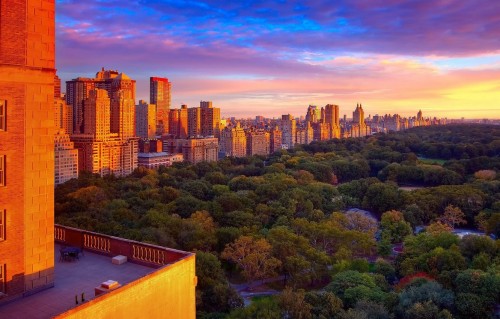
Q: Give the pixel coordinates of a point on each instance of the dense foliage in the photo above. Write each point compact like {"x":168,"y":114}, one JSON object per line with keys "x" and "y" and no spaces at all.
{"x":254,"y":218}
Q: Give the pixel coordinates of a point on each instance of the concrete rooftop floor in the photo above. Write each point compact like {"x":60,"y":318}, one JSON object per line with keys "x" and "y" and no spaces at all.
{"x":72,"y":278}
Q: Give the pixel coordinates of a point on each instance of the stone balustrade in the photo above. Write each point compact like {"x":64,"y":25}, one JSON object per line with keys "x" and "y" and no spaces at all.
{"x":137,"y":252}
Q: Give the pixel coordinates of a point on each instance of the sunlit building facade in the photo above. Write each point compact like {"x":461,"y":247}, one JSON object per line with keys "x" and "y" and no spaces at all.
{"x":275,"y":139}
{"x":358,"y":126}
{"x":233,"y":141}
{"x":210,"y":119}
{"x":145,"y":120}
{"x":66,"y":158}
{"x":258,"y":142}
{"x":160,"y":95}
{"x":288,"y":129}
{"x":27,"y":48}
{"x":194,"y":150}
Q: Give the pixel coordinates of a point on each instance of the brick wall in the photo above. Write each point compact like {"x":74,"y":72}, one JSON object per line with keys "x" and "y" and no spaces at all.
{"x":27,"y":45}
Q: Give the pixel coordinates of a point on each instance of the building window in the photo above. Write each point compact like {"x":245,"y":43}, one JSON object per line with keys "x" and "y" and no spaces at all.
{"x":3,"y":115}
{"x":2,"y":170}
{"x":2,"y":225}
{"x":2,"y":279}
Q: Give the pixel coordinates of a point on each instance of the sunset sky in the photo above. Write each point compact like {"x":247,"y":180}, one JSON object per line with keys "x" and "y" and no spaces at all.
{"x":276,"y":57}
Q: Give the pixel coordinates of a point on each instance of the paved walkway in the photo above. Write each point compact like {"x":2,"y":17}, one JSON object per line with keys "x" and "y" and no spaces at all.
{"x":245,"y":289}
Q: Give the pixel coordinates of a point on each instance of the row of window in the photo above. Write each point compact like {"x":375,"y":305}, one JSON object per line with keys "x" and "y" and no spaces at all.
{"x":3,"y":127}
{"x":2,"y":170}
{"x":3,"y":115}
{"x":2,"y":279}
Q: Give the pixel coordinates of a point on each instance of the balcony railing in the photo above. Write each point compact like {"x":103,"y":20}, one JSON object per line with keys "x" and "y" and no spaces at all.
{"x":137,"y":252}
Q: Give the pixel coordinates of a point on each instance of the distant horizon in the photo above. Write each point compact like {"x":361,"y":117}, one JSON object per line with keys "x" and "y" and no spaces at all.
{"x":277,"y":58}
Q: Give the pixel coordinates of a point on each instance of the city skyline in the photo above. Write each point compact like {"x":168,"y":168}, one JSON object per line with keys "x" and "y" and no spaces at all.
{"x":273,"y":59}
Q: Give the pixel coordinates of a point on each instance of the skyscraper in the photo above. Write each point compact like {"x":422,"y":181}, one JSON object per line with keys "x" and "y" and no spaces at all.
{"x":77,"y":90}
{"x":122,"y":111}
{"x":145,"y":120}
{"x":194,"y":122}
{"x":66,"y":156}
{"x":359,"y":127}
{"x":97,"y":115}
{"x":159,"y":94}
{"x":275,"y":140}
{"x":101,"y":151}
{"x":63,"y":115}
{"x":332,"y":118}
{"x":178,"y":122}
{"x":210,"y":119}
{"x":288,"y":129}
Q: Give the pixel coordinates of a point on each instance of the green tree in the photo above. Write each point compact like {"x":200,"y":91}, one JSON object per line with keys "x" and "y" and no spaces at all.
{"x":262,"y":308}
{"x":427,"y":296}
{"x":382,"y":197}
{"x":293,"y":304}
{"x":213,"y":291}
{"x":452,"y":216}
{"x":349,"y":279}
{"x":366,"y":309}
{"x":253,"y":257}
{"x":393,"y":224}
{"x":325,"y":305}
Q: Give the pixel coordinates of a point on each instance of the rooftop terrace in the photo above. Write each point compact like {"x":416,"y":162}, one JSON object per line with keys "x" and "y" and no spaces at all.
{"x":89,"y":271}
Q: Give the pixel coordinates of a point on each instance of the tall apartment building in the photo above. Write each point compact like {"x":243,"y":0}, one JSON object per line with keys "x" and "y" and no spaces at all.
{"x":305,"y":135}
{"x":145,"y":120}
{"x":332,"y":118}
{"x":309,"y":133}
{"x":275,"y":140}
{"x":392,"y":123}
{"x":258,"y":142}
{"x":123,"y":106}
{"x":27,"y":46}
{"x":313,"y":114}
{"x":210,"y":119}
{"x":77,"y":90}
{"x":288,"y":129}
{"x":97,"y":115}
{"x":420,"y":119}
{"x":159,"y":95}
{"x":63,"y":115}
{"x":321,"y":131}
{"x":66,"y":158}
{"x":178,"y":122}
{"x":359,"y":127}
{"x":194,"y":122}
{"x":233,"y":141}
{"x":101,"y":151}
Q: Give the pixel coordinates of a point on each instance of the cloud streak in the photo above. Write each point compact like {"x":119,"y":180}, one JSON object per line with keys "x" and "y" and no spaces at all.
{"x":279,"y":55}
